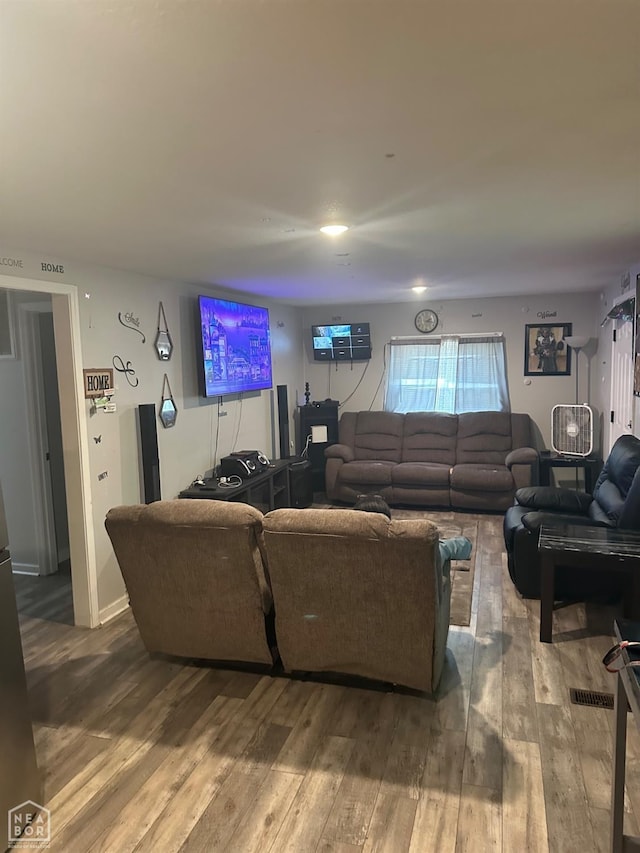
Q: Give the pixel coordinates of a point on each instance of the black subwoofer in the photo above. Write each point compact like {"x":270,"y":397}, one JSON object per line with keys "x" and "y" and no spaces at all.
{"x":300,"y":484}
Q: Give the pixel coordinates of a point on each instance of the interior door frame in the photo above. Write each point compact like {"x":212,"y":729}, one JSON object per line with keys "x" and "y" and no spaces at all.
{"x":75,"y":438}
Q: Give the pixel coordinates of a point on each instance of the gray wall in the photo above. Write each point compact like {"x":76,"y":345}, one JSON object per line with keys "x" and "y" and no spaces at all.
{"x":535,"y":394}
{"x":185,"y":450}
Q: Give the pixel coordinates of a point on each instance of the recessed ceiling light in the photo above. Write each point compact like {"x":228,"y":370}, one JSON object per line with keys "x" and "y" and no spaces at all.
{"x":334,"y":230}
{"x":420,"y":288}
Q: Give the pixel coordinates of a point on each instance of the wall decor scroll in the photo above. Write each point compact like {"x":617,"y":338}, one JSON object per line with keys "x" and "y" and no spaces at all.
{"x":164,"y":344}
{"x":131,"y":322}
{"x":129,"y":372}
{"x":168,"y":409}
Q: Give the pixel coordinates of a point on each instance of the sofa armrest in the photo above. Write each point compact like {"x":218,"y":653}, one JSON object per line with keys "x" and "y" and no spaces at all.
{"x":533,"y":521}
{"x":557,"y":500}
{"x":522,"y":456}
{"x":339,"y":451}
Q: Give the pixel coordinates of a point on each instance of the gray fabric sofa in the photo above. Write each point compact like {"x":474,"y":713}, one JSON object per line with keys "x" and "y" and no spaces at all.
{"x":354,"y":592}
{"x":471,"y":461}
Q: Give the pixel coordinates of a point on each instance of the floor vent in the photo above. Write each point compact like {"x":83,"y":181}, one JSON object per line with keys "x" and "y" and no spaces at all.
{"x":591,"y":698}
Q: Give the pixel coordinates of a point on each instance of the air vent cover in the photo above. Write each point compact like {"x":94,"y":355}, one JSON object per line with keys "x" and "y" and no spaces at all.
{"x":572,"y":429}
{"x":591,"y":698}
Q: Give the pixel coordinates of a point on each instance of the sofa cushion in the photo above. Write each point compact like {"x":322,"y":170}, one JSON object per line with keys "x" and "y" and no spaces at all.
{"x":372,"y":473}
{"x":429,"y":437}
{"x":378,"y":435}
{"x":488,"y":478}
{"x":420,"y":474}
{"x":484,"y":437}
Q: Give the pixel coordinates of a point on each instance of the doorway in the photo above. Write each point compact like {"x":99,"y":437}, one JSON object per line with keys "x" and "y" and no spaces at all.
{"x":621,"y":381}
{"x":46,"y":593}
{"x":65,"y":324}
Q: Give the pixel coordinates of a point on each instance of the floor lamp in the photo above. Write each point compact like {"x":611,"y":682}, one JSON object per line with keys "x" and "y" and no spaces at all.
{"x":577,"y":342}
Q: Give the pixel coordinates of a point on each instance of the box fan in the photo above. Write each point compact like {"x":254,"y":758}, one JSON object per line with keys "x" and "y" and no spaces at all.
{"x":572,"y":429}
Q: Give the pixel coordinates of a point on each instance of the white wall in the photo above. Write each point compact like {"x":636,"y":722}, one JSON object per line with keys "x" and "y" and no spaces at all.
{"x":505,"y":314}
{"x":188,"y":448}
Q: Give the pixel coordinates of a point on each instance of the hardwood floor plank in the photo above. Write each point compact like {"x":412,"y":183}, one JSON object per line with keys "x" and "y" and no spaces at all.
{"x":305,"y":820}
{"x":259,"y":828}
{"x":234,"y":800}
{"x":518,"y":694}
{"x":568,"y":823}
{"x":349,"y":818}
{"x":302,"y":743}
{"x":483,"y":758}
{"x":391,"y":825}
{"x":479,"y":821}
{"x":524,"y":821}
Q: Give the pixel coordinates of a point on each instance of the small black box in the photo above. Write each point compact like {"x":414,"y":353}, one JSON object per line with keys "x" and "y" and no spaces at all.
{"x":300,"y":484}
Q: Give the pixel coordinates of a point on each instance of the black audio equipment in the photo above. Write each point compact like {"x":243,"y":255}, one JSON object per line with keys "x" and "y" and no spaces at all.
{"x":149,"y":452}
{"x":317,"y":429}
{"x":283,"y":421}
{"x":300,"y":483}
{"x":243,"y":464}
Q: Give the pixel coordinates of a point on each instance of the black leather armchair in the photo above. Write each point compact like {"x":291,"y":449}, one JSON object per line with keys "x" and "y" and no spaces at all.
{"x":615,"y":503}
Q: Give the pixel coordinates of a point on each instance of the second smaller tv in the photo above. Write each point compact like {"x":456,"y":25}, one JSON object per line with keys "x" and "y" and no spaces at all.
{"x":341,"y":342}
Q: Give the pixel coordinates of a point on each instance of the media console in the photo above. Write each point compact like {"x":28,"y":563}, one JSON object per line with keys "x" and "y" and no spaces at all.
{"x":268,"y":490}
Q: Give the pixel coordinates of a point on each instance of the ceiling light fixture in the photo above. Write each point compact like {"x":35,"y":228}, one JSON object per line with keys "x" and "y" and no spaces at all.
{"x":420,"y":288}
{"x":334,"y":230}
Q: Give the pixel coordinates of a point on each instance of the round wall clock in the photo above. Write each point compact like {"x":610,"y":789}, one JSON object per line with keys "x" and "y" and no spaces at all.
{"x":426,"y":320}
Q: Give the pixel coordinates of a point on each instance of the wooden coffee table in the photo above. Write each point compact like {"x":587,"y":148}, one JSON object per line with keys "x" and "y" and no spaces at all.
{"x":592,"y":549}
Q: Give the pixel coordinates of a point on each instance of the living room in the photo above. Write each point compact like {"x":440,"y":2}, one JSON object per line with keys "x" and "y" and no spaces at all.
{"x":161,"y":154}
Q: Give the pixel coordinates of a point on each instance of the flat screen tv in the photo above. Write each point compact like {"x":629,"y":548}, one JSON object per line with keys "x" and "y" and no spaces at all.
{"x":341,"y":342}
{"x":235,"y":349}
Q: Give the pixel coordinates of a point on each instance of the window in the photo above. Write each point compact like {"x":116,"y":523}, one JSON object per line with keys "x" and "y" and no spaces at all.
{"x":453,"y":373}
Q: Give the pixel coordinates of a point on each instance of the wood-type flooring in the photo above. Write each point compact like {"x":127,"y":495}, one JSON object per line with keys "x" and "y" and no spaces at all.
{"x":142,"y":754}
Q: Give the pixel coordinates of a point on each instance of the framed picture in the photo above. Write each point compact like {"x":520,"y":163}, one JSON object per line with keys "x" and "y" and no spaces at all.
{"x":545,"y":352}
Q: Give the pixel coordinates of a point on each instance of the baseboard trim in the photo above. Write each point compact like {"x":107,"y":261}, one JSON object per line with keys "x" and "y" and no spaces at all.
{"x":30,"y":569}
{"x":113,"y":609}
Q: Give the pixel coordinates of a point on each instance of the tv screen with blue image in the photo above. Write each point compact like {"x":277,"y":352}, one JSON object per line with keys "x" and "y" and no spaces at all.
{"x":235,"y":351}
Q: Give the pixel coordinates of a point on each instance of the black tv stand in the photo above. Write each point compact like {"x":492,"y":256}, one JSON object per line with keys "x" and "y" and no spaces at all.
{"x":266,"y":491}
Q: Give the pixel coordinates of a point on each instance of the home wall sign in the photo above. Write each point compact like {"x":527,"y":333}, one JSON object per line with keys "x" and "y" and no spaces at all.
{"x":164,"y":344}
{"x":98,"y":382}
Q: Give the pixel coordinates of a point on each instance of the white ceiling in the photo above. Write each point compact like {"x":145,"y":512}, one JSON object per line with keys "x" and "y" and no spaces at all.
{"x":483,"y":148}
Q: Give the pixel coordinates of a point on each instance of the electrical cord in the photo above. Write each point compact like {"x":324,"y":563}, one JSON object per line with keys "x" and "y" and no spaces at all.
{"x":229,"y":482}
{"x":384,"y":370}
{"x":304,"y":453}
{"x":358,"y":384}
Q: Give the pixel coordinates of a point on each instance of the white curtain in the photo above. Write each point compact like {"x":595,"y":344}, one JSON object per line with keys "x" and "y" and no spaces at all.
{"x":451,"y":374}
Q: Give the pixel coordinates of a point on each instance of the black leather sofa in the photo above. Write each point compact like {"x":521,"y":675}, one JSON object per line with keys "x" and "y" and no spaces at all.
{"x":615,"y":503}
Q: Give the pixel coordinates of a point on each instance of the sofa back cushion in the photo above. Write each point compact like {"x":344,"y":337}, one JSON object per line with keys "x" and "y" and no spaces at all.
{"x":195,"y":577}
{"x":429,"y":437}
{"x":378,"y":436}
{"x":483,"y":437}
{"x":355,"y":592}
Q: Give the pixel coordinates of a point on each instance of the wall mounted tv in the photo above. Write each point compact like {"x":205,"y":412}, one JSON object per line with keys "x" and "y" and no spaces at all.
{"x":235,"y":348}
{"x":341,"y":342}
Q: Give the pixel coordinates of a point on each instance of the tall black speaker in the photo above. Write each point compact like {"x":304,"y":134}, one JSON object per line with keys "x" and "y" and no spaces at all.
{"x":149,"y":452}
{"x":283,"y":421}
